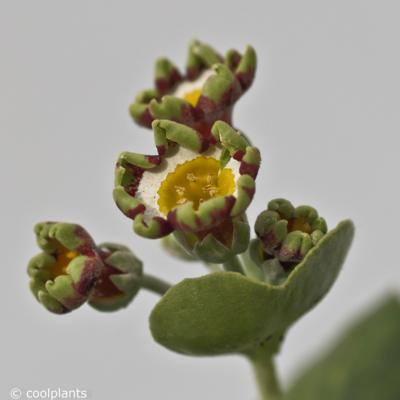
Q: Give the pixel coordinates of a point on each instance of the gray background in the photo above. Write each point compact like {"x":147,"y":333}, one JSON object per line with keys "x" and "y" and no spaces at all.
{"x":324,"y":110}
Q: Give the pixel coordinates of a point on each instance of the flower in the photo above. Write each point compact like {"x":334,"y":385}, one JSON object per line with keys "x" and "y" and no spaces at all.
{"x":287,"y":233}
{"x":199,"y":190}
{"x":64,"y":274}
{"x":206,"y":93}
{"x":119,"y":280}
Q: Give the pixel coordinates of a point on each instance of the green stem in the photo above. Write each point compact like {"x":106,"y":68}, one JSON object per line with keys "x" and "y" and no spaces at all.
{"x":250,"y":268}
{"x":233,"y":264}
{"x":264,"y":370}
{"x":154,"y":284}
{"x":213,"y":267}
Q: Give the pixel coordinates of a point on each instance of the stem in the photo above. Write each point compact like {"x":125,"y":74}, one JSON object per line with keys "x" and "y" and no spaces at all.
{"x":250,"y":268}
{"x":233,"y":264}
{"x":154,"y":284}
{"x":213,"y":267}
{"x":264,"y":370}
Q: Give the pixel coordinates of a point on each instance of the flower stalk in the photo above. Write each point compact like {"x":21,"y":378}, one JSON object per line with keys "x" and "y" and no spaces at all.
{"x":266,"y":378}
{"x":262,"y":362}
{"x":154,"y":284}
{"x":233,"y":264}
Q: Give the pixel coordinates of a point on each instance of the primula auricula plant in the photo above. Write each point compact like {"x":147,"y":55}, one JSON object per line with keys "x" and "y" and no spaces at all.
{"x":193,"y":193}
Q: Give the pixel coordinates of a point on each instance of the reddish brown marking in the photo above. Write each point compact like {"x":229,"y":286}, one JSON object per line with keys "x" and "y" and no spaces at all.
{"x":204,"y":130}
{"x":193,"y":72}
{"x":235,"y":61}
{"x":133,"y":212}
{"x":156,"y":160}
{"x":87,"y":245}
{"x":249,"y":191}
{"x":175,"y":78}
{"x":176,"y":223}
{"x":104,"y":286}
{"x":204,"y":143}
{"x":161,"y":149}
{"x":270,"y":241}
{"x":135,"y":176}
{"x":206,"y":105}
{"x":219,"y":215}
{"x":89,"y":276}
{"x":165,"y":227}
{"x":246,"y":78}
{"x":187,"y":115}
{"x":238,"y":155}
{"x":228,"y":98}
{"x":293,"y":255}
{"x":199,"y":222}
{"x":248,"y":169}
{"x":146,"y":118}
{"x":231,"y":95}
{"x":164,"y":85}
{"x":223,"y":232}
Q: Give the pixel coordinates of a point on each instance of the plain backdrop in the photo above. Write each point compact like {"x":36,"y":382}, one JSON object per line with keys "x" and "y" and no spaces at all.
{"x":324,"y":110}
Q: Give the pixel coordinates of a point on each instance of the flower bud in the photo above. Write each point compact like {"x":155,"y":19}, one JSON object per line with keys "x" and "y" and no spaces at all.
{"x":288,"y":233}
{"x":119,"y":279}
{"x":64,"y":274}
{"x":218,"y":244}
{"x":206,"y":92}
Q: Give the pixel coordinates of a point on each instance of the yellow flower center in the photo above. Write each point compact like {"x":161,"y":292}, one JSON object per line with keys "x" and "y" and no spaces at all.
{"x":192,"y":97}
{"x":299,"y":224}
{"x":196,"y":180}
{"x":63,"y":257}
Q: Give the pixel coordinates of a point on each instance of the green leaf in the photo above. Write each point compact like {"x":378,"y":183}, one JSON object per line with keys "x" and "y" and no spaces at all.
{"x":364,"y":364}
{"x":226,"y":312}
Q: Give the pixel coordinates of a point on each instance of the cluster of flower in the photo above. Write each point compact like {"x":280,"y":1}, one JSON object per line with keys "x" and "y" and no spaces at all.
{"x":194,"y":191}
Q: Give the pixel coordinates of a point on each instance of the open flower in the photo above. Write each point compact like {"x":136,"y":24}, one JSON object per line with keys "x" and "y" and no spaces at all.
{"x":191,"y":187}
{"x":287,"y":233}
{"x":119,"y":280}
{"x":64,"y":274}
{"x":206,"y":93}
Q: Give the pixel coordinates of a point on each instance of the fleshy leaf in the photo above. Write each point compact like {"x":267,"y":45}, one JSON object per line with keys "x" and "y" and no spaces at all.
{"x":363,"y":365}
{"x":226,"y":312}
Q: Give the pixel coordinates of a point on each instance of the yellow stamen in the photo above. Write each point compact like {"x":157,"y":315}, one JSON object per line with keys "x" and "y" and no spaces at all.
{"x":192,"y":97}
{"x":196,"y":180}
{"x":299,"y":224}
{"x":63,"y":257}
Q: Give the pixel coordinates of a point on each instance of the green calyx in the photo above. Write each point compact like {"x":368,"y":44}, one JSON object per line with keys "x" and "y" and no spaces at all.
{"x":218,"y":85}
{"x":216,"y":245}
{"x":139,"y":108}
{"x":288,"y":233}
{"x":226,"y":312}
{"x":170,"y":136}
{"x":173,"y":246}
{"x":119,"y":280}
{"x":164,"y":69}
{"x":72,"y":270}
{"x":233,"y":75}
{"x":169,"y":107}
{"x":166,"y":131}
{"x":236,"y":145}
{"x":200,"y":56}
{"x":63,"y":275}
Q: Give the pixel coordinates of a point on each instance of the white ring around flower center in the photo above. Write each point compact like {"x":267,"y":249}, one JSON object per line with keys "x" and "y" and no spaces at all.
{"x":147,"y":191}
{"x":189,"y":86}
